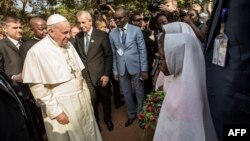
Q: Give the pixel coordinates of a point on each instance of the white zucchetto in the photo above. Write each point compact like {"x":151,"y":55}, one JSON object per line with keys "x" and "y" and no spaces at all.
{"x":55,"y":18}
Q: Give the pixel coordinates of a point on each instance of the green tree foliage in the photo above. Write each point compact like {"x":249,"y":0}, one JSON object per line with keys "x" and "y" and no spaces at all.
{"x":24,"y":9}
{"x":70,"y":8}
{"x":7,"y":7}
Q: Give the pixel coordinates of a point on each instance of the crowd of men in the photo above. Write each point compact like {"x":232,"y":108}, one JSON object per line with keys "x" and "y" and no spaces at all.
{"x":52,"y":83}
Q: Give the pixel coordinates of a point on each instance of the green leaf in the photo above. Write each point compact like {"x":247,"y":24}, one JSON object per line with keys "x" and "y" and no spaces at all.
{"x":152,"y":125}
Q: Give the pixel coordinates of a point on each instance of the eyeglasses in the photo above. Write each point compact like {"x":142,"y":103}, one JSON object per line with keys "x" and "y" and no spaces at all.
{"x":118,"y":18}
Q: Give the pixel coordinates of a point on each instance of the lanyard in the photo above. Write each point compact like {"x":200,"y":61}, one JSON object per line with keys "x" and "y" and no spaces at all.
{"x":224,"y":13}
{"x":221,"y":42}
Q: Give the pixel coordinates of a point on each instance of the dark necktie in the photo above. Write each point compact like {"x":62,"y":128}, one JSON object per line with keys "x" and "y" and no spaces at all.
{"x":86,"y":46}
{"x":123,"y":37}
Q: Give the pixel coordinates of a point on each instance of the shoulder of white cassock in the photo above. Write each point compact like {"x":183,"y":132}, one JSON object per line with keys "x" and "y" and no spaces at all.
{"x":46,"y":64}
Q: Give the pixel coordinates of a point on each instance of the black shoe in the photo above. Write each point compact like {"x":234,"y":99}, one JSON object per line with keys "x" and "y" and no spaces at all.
{"x":110,"y":125}
{"x":119,"y":104}
{"x":129,"y":122}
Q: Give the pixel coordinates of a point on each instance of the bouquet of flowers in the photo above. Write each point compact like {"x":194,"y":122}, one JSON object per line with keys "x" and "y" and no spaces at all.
{"x":151,"y":109}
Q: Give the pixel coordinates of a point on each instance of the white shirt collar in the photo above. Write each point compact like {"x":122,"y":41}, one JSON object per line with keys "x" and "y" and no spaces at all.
{"x":15,"y":42}
{"x":90,"y":31}
{"x":125,"y":27}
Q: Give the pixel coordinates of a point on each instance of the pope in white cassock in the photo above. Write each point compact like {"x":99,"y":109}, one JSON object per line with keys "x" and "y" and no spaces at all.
{"x":53,"y":70}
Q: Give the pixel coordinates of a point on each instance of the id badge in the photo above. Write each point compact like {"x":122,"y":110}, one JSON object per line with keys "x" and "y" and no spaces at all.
{"x":120,"y":51}
{"x":220,"y":50}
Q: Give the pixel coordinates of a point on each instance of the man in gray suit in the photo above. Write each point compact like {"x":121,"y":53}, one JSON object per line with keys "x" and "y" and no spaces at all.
{"x":129,"y":62}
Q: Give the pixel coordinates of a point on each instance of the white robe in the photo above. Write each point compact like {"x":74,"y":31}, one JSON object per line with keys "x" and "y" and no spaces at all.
{"x":56,"y":88}
{"x":164,"y":81}
{"x":185,"y":114}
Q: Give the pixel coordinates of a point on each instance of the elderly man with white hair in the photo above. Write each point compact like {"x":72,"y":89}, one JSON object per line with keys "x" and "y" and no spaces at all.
{"x":53,"y":70}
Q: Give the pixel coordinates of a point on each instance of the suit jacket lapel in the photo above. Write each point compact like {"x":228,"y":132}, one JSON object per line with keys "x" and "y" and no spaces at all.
{"x":11,"y":45}
{"x":118,"y":36}
{"x":128,"y":33}
{"x":215,"y":19}
{"x":80,"y":44}
{"x":93,"y":37}
{"x":3,"y":86}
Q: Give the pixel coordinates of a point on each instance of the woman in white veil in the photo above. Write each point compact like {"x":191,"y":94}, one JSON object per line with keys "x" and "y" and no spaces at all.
{"x":185,"y":114}
{"x":174,"y":27}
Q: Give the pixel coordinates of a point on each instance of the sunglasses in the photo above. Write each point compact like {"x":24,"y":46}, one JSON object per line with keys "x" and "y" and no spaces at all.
{"x":118,"y":18}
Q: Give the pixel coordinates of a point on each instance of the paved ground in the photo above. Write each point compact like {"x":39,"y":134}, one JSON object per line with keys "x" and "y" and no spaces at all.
{"x":120,"y":132}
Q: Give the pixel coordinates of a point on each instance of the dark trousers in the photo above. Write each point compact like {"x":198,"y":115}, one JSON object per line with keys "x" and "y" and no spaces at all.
{"x":35,"y":119}
{"x":103,"y":94}
{"x":96,"y":93}
{"x":148,"y":85}
{"x":116,"y":92}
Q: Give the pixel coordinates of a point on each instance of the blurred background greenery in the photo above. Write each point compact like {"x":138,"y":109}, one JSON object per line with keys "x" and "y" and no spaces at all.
{"x":24,"y":9}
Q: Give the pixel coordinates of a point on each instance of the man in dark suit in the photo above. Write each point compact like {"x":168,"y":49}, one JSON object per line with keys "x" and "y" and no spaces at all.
{"x":10,"y":61}
{"x":39,"y":30}
{"x":228,"y":87}
{"x":94,"y":49}
{"x":13,"y":114}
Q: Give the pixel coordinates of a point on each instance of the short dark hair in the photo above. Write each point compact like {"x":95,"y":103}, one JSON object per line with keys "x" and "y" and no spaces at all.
{"x":132,"y":16}
{"x":9,"y":19}
{"x":169,"y":15}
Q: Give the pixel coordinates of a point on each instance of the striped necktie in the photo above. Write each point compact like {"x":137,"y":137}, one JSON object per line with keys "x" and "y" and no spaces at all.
{"x":18,"y":44}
